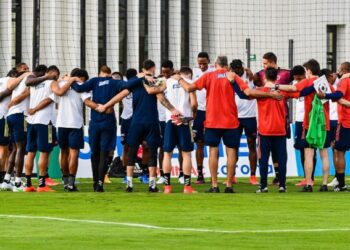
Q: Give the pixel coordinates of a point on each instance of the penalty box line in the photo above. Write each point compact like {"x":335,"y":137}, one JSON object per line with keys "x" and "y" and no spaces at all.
{"x":201,"y":230}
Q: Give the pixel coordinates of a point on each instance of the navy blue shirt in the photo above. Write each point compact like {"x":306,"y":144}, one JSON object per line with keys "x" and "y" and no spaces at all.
{"x":103,"y":90}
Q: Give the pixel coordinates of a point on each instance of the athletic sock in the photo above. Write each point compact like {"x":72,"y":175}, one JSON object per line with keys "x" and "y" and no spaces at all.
{"x":187,"y":180}
{"x":71,"y":181}
{"x":152,"y":182}
{"x":161,"y":172}
{"x":252,"y":173}
{"x":181,"y":173}
{"x":200,"y":171}
{"x":65,"y":180}
{"x":42,"y":181}
{"x":7,"y":178}
{"x":341,"y":179}
{"x":18,"y":181}
{"x":167,"y":179}
{"x":29,"y":180}
{"x":2,"y":176}
{"x":129,"y":181}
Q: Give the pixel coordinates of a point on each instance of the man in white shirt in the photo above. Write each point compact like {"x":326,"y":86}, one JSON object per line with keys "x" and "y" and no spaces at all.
{"x":179,"y":135}
{"x":198,"y":124}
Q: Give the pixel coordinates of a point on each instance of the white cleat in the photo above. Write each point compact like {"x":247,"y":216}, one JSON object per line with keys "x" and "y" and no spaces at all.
{"x":19,"y":189}
{"x":6,"y":186}
{"x":182,"y":180}
{"x":333,"y":183}
{"x":161,"y":180}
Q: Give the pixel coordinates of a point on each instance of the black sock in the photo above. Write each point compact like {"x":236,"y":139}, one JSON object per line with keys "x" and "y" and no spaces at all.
{"x":47,"y":175}
{"x":2,"y":176}
{"x":42,"y":181}
{"x":181,"y":173}
{"x":95,"y":158}
{"x":252,"y":173}
{"x":71,"y":180}
{"x":161,"y":172}
{"x":65,"y":180}
{"x":187,"y":180}
{"x":167,"y":179}
{"x":29,"y":180}
{"x":200,"y":171}
{"x":341,"y":179}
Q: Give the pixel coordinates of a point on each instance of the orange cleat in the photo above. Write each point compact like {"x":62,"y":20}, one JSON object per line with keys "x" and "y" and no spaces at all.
{"x":29,"y":189}
{"x":301,"y":183}
{"x":50,"y":182}
{"x":253,"y":181}
{"x":167,"y":189}
{"x":189,"y":190}
{"x":45,"y":189}
{"x":234,"y":180}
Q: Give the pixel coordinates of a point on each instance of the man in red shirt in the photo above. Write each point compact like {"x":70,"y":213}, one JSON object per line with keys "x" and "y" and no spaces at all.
{"x":312,"y":72}
{"x":221,"y":121}
{"x":342,"y":139}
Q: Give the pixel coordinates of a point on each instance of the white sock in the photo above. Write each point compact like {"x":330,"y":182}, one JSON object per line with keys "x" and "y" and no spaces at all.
{"x":152,"y":182}
{"x":18,"y":180}
{"x":129,"y":181}
{"x":7,"y":177}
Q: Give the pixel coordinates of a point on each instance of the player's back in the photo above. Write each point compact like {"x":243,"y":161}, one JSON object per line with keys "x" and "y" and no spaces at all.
{"x":144,"y":106}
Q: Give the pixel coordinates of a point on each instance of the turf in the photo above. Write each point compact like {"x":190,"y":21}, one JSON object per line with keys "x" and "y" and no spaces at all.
{"x":244,"y":210}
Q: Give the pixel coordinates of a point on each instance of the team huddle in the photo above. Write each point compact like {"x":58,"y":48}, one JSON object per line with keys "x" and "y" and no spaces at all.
{"x":176,"y":109}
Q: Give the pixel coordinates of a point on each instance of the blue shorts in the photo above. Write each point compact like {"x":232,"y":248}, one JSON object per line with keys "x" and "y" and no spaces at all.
{"x":4,"y":133}
{"x":124,"y":129}
{"x":71,"y":138}
{"x":41,"y":138}
{"x":180,"y":136}
{"x":198,"y":126}
{"x":249,"y":125}
{"x":162,"y":132}
{"x":149,"y":132}
{"x":305,"y":144}
{"x":333,"y":129}
{"x":17,"y":127}
{"x":298,"y":132}
{"x":102,"y":137}
{"x":342,"y":139}
{"x":230,"y":137}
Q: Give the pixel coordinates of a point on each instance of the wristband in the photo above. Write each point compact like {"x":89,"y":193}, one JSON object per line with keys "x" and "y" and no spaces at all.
{"x":277,"y":86}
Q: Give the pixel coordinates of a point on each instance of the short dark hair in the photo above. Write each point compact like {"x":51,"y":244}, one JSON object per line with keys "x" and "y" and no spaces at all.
{"x":168,"y":64}
{"x":73,"y":71}
{"x":12,"y":73}
{"x":203,"y":55}
{"x":40,"y":68}
{"x":80,"y":73}
{"x":186,"y":70}
{"x":53,"y":68}
{"x":119,"y":74}
{"x":20,"y":64}
{"x":346,"y":66}
{"x":271,"y":74}
{"x":148,"y":64}
{"x":326,"y":72}
{"x":130,"y":73}
{"x":270,"y":56}
{"x":297,"y":70}
{"x":313,"y":66}
{"x":236,"y":64}
{"x":105,"y":69}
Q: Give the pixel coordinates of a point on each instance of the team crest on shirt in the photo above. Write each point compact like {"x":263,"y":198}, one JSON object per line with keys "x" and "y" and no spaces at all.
{"x":103,"y":83}
{"x":220,"y":76}
{"x":176,"y":86}
{"x":39,"y":86}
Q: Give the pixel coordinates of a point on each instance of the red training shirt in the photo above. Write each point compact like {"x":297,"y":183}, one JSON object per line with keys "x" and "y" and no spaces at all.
{"x":344,"y":112}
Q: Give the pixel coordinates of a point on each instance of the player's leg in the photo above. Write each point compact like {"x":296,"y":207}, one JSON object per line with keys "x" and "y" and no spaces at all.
{"x":279,"y":146}
{"x":251,"y":132}
{"x":63,"y":142}
{"x":325,"y":168}
{"x":309,"y":155}
{"x":265,"y":145}
{"x":212,"y":139}
{"x":31,"y":148}
{"x":94,"y":142}
{"x":185,"y":142}
{"x":341,"y":145}
{"x":231,"y":139}
{"x":198,"y":130}
{"x":4,"y":152}
{"x":169,"y":143}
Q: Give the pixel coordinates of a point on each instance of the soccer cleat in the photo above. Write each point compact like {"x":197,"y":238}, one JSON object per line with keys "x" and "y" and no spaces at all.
{"x":72,"y":189}
{"x":213,"y":190}
{"x":262,"y":190}
{"x":161,"y":180}
{"x":282,"y":190}
{"x":29,"y":189}
{"x":44,"y":189}
{"x":341,"y":189}
{"x":107,"y":180}
{"x":200,"y":180}
{"x":307,"y":189}
{"x":229,"y":190}
{"x":167,"y":189}
{"x":181,"y":180}
{"x":234,"y":180}
{"x":50,"y":182}
{"x":129,"y":189}
{"x":6,"y":186}
{"x":153,"y":190}
{"x":144,"y":179}
{"x":275,"y":181}
{"x":99,"y":189}
{"x":323,"y":188}
{"x":65,"y":188}
{"x":189,"y":190}
{"x":301,"y":183}
{"x":253,"y":181}
{"x":333,"y":183}
{"x":19,"y":189}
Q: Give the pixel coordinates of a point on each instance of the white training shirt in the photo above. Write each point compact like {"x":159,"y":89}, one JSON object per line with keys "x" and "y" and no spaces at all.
{"x":201,"y":94}
{"x":23,"y":106}
{"x":299,"y":107}
{"x":333,"y":106}
{"x":179,"y":98}
{"x":70,"y":108}
{"x":127,"y":107}
{"x":37,"y":94}
{"x":161,"y":111}
{"x":4,"y":103}
{"x":246,"y":108}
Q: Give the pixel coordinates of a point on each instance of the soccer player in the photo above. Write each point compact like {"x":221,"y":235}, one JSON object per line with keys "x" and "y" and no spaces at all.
{"x":342,"y":141}
{"x":220,"y":103}
{"x":270,"y":60}
{"x":312,"y":72}
{"x":41,"y":135}
{"x":144,"y":124}
{"x":203,"y":61}
{"x":247,"y":117}
{"x":179,"y":136}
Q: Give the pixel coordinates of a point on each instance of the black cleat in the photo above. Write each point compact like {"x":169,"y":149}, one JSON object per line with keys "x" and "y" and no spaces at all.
{"x":99,"y":189}
{"x":153,"y":190}
{"x":73,"y":189}
{"x":65,"y":188}
{"x":282,"y":190}
{"x":129,"y":189}
{"x":262,"y":190}
{"x":229,"y":190}
{"x":213,"y":190}
{"x":200,"y":180}
{"x":323,"y":188}
{"x":307,"y":189}
{"x":341,"y":189}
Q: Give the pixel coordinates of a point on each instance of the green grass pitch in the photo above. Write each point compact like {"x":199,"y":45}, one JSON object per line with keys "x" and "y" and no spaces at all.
{"x":245,"y":220}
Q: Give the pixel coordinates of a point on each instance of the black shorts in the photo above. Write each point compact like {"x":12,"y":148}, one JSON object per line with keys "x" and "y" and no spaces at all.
{"x":342,"y":139}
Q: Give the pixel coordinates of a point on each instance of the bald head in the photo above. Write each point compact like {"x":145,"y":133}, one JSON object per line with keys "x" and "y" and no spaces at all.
{"x":222,"y":61}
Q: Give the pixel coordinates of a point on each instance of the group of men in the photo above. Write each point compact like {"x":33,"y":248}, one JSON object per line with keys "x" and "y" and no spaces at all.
{"x":175,"y":109}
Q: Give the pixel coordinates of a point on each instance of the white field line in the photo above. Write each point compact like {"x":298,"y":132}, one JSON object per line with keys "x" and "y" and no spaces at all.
{"x":201,"y":230}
